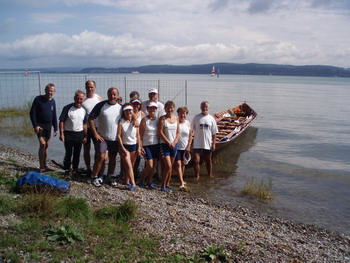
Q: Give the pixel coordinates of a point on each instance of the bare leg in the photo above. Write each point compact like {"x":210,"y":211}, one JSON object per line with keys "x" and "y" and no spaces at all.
{"x":209,"y":164}
{"x":166,"y":169}
{"x":111,"y":164}
{"x":87,"y":158}
{"x":43,"y":146}
{"x":179,"y":170}
{"x":98,"y":164}
{"x":197,"y":158}
{"x":129,"y":168}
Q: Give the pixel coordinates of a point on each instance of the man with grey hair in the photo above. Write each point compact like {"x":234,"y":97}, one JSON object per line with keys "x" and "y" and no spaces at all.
{"x":107,"y":113}
{"x":204,"y":130}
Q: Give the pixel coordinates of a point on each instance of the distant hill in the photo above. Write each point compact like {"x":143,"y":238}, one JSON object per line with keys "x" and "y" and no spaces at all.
{"x":232,"y":68}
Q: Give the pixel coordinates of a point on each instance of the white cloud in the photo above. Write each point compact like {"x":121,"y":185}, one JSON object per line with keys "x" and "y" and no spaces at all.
{"x":124,"y":32}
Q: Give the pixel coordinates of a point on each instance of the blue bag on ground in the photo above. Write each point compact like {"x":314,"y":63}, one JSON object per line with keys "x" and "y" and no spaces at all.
{"x":41,"y":180}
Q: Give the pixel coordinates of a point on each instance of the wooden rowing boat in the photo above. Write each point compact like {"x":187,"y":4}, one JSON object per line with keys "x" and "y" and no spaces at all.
{"x":232,"y":123}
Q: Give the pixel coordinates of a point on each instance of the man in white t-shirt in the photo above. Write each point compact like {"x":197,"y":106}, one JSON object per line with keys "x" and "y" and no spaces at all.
{"x":153,"y":97}
{"x":107,"y":113}
{"x":204,"y":130}
{"x":89,"y":103}
{"x":73,"y":129}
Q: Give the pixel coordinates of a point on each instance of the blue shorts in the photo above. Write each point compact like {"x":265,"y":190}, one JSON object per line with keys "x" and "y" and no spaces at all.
{"x":202,"y":151}
{"x":165,"y":150}
{"x":180,"y":155}
{"x":131,"y":148}
{"x":152,"y":151}
{"x":110,"y":146}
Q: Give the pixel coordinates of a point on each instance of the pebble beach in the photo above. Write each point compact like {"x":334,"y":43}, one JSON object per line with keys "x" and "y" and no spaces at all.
{"x":187,"y":224}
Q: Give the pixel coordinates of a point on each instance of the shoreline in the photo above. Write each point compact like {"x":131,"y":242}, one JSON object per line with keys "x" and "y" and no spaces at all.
{"x":187,"y":224}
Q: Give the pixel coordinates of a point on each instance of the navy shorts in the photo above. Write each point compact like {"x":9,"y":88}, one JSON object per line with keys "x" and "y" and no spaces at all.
{"x":45,"y":130}
{"x":131,"y":148}
{"x":152,"y":151}
{"x":165,"y":150}
{"x":180,"y":155}
{"x":202,"y":151}
{"x":110,"y":146}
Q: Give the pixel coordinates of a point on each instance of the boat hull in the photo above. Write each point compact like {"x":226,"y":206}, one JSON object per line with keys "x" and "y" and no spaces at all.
{"x":232,"y":122}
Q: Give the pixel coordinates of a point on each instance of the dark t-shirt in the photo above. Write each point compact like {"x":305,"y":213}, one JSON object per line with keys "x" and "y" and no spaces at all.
{"x":43,"y":111}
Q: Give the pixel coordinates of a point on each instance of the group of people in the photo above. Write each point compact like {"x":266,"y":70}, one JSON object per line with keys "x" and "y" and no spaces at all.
{"x":134,"y":129}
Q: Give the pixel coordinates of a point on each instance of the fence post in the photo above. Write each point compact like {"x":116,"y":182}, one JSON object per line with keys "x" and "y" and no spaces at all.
{"x":186,"y":93}
{"x":158,"y":89}
{"x":125,"y":89}
{"x":39,"y":75}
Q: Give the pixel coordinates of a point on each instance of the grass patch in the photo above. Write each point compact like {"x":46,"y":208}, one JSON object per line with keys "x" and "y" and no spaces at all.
{"x":17,"y":120}
{"x":125,"y":212}
{"x":7,"y":204}
{"x":260,"y":189}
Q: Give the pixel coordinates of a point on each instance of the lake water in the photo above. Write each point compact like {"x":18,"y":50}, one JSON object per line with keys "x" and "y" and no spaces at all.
{"x":301,"y":140}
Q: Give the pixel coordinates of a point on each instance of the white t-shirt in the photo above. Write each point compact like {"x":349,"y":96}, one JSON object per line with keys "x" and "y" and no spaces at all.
{"x":185,"y":128}
{"x":107,"y":116}
{"x":203,"y":128}
{"x":169,"y":131}
{"x":74,"y":118}
{"x":150,"y":135}
{"x":129,"y":132}
{"x":160,"y":108}
{"x":89,"y":104}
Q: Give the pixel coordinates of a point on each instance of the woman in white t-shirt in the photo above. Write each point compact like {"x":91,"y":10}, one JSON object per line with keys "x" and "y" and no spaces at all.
{"x":129,"y":140}
{"x":184,"y":144}
{"x":150,"y":145}
{"x":168,"y":129}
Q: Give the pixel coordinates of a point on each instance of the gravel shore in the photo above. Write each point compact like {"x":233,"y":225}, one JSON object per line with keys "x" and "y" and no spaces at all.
{"x":186,"y":224}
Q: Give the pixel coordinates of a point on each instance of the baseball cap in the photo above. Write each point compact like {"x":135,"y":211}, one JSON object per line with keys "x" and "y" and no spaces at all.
{"x":153,"y":91}
{"x":136,"y":100}
{"x":152,"y":104}
{"x":129,"y":107}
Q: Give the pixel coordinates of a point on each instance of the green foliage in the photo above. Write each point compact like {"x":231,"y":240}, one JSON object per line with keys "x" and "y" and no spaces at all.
{"x":64,"y":234}
{"x":214,"y":253}
{"x":7,"y":180}
{"x":74,"y":208}
{"x":6,"y":204}
{"x":124,"y":212}
{"x":259,"y":189}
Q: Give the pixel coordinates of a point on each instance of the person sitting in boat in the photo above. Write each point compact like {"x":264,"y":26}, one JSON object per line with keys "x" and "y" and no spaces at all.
{"x":204,"y":129}
{"x":184,"y":144}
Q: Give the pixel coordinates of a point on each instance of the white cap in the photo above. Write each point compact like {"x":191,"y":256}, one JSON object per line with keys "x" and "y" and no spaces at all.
{"x":187,"y":157}
{"x":128,"y":107}
{"x":136,"y":100}
{"x":152,"y":104}
{"x":153,"y":91}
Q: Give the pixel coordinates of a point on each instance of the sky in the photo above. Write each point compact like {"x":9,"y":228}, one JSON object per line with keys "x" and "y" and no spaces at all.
{"x":118,"y":33}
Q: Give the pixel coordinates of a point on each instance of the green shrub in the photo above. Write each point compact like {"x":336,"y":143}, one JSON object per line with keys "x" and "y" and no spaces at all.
{"x":124,"y":212}
{"x":64,"y":234}
{"x":214,"y":253}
